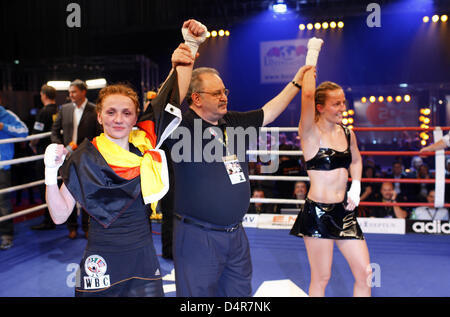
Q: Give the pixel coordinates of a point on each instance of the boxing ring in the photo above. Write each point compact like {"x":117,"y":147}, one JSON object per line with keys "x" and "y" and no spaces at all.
{"x":404,"y":264}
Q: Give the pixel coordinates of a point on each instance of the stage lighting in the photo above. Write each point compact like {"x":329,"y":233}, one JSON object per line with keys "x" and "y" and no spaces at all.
{"x":345,"y":121}
{"x":340,"y":24}
{"x":280,"y":7}
{"x":332,"y":24}
{"x":325,"y":25}
{"x":427,"y":111}
{"x":350,"y":120}
{"x":317,"y":26}
{"x":214,"y":33}
{"x":389,"y":98}
{"x":227,"y":33}
{"x":363,"y":99}
{"x":398,"y":98}
{"x":59,"y":85}
{"x":309,"y":26}
{"x":221,"y":32}
{"x":407,"y":98}
{"x":435,"y":18}
{"x":444,"y":18}
{"x":381,"y":99}
{"x":301,"y":27}
{"x":372,"y":99}
{"x":96,"y":83}
{"x":345,"y":114}
{"x":208,"y":34}
{"x":351,"y":112}
{"x":426,"y":19}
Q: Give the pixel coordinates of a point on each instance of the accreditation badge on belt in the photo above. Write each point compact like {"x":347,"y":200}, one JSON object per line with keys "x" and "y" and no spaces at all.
{"x":234,"y":169}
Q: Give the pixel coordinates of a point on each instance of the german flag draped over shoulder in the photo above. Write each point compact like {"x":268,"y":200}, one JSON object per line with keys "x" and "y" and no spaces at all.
{"x":88,"y":175}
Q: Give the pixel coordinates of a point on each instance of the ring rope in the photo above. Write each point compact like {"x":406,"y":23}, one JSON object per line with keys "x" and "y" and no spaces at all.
{"x":362,"y":203}
{"x":369,"y":153}
{"x":260,"y":177}
{"x":23,"y":212}
{"x":360,"y":129}
{"x":22,"y":160}
{"x":28,"y":138}
{"x":363,"y":180}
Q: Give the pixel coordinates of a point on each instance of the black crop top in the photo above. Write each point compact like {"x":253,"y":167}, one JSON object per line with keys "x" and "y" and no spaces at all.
{"x":328,"y":159}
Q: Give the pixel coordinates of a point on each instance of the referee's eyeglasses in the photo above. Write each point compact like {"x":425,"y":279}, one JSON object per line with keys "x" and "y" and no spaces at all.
{"x":216,"y":94}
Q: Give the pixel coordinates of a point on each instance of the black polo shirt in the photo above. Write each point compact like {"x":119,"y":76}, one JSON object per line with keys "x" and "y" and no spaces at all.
{"x":203,"y":189}
{"x":44,"y":121}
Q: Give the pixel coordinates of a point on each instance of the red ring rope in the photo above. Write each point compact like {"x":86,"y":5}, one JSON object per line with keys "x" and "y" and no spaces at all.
{"x":361,"y":129}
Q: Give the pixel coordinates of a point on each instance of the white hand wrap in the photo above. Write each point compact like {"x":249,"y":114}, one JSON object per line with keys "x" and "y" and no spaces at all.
{"x":51,"y":167}
{"x":314,"y":46}
{"x":355,"y":192}
{"x":193,"y":41}
{"x":446,"y":139}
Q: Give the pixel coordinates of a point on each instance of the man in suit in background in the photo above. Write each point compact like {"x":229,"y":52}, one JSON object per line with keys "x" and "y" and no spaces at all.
{"x":76,"y":121}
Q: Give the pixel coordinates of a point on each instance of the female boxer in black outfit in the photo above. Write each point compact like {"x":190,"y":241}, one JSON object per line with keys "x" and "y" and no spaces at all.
{"x":328,"y":216}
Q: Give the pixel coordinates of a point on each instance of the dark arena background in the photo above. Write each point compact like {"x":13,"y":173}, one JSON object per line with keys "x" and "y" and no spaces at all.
{"x":392,"y":59}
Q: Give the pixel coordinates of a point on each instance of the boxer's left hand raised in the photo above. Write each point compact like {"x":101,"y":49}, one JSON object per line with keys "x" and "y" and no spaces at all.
{"x":194,"y":34}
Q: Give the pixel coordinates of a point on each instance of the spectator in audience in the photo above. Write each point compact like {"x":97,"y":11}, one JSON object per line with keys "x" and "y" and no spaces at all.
{"x":10,"y":127}
{"x":259,"y":208}
{"x":288,"y":166}
{"x":419,"y":191}
{"x":416,"y":162}
{"x":299,"y":193}
{"x":402,"y":189}
{"x":370,"y":161}
{"x":430,"y":213}
{"x":387,"y":194}
{"x":368,"y":190}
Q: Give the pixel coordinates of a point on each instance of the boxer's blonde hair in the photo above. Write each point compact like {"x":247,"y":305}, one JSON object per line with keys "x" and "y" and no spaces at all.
{"x":321,"y":94}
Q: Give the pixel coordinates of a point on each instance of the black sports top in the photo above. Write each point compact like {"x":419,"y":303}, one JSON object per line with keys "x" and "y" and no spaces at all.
{"x":328,"y":159}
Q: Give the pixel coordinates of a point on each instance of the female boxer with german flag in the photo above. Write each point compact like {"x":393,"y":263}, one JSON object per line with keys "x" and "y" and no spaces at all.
{"x":116,"y":175}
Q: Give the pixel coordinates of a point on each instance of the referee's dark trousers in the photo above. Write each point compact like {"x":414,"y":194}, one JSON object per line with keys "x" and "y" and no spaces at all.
{"x":211,"y":261}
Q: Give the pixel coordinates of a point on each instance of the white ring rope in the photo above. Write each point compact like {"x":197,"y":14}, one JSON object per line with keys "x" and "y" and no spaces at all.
{"x":284,"y":129}
{"x":28,"y":138}
{"x":23,"y":212}
{"x":276,"y":201}
{"x":22,"y":160}
{"x":23,"y":186}
{"x":279,"y":178}
{"x":274,"y":152}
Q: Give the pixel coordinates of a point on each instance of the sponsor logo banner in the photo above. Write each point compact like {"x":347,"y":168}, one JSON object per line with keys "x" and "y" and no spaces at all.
{"x":280,"y":60}
{"x":382,"y":225}
{"x":274,"y":221}
{"x":250,"y":220}
{"x":430,"y":227}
